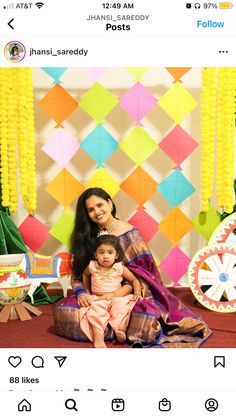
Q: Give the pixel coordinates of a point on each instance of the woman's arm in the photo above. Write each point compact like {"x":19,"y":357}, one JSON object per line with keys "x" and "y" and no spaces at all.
{"x":127,"y":274}
{"x":86,"y":280}
{"x":81,"y":290}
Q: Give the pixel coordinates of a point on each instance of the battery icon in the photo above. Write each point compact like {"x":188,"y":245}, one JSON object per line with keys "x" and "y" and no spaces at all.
{"x":225,"y":5}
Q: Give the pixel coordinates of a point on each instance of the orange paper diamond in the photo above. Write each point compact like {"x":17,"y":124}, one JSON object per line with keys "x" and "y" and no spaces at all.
{"x":140,"y":186}
{"x":175,"y":225}
{"x":65,"y":188}
{"x":58,"y":103}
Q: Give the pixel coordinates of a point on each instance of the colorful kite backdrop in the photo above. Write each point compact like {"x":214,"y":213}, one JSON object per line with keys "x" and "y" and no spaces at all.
{"x":109,"y":134}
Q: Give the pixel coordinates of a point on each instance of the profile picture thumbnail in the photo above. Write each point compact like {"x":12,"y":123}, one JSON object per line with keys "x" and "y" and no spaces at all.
{"x":14,"y":51}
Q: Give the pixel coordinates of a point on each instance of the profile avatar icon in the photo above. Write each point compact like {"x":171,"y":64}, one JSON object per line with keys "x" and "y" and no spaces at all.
{"x":14,"y":51}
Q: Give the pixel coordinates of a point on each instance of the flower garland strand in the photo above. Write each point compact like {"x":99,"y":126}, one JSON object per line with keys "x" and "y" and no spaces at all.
{"x":12,"y":173}
{"x":218,"y":110}
{"x":3,"y":139}
{"x":208,"y":110}
{"x":17,"y":143}
{"x":225,"y":138}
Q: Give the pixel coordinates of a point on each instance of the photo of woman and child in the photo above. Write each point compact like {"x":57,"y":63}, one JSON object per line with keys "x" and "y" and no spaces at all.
{"x":116,"y":283}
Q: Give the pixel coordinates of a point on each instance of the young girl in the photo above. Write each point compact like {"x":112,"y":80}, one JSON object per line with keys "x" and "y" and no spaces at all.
{"x":108,"y":302}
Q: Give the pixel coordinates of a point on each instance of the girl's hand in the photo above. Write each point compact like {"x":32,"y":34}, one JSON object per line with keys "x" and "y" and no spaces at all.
{"x":137,"y":297}
{"x":84,"y":300}
{"x":107,"y":296}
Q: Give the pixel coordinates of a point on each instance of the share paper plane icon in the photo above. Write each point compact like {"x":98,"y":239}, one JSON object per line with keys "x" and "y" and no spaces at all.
{"x":60,"y":360}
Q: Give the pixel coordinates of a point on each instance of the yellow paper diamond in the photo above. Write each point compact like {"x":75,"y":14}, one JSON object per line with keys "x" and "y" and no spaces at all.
{"x":177,"y":102}
{"x":102,"y":179}
{"x":138,"y":145}
{"x":98,"y":102}
{"x":137,"y":72}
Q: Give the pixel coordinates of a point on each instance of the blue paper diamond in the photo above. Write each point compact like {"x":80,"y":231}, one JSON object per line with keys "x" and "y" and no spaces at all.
{"x":175,"y":188}
{"x":100,"y":145}
{"x":55,"y":72}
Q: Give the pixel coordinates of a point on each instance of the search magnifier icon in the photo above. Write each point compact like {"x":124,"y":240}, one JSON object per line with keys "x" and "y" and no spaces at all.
{"x":71,"y":404}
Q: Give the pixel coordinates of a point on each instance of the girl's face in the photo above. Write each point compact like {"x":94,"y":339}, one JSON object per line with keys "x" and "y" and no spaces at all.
{"x":99,"y":210}
{"x":106,"y":255}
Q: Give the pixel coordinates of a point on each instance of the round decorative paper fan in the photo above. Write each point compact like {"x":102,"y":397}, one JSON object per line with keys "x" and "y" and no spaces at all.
{"x":224,"y":232}
{"x":212,"y":277}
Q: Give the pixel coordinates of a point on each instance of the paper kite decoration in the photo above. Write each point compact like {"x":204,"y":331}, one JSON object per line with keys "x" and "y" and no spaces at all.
{"x":137,"y":101}
{"x":95,"y":72}
{"x":63,"y":228}
{"x":146,"y":225}
{"x":102,"y":179}
{"x":58,"y":103}
{"x":139,"y":186}
{"x":137,"y":72}
{"x":177,"y":102}
{"x":211,"y":276}
{"x":138,"y":145}
{"x":98,"y":102}
{"x":61,"y":147}
{"x":178,"y":72}
{"x":178,"y":145}
{"x":100,"y":145}
{"x":206,"y":222}
{"x":175,"y":265}
{"x":55,"y":73}
{"x":175,"y":188}
{"x":65,"y":188}
{"x":175,"y":225}
{"x":33,"y":232}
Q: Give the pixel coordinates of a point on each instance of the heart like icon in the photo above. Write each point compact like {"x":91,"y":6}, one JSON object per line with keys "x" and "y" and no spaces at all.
{"x":14,"y":361}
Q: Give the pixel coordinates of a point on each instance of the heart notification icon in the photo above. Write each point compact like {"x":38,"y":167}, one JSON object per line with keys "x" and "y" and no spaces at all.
{"x":14,"y":361}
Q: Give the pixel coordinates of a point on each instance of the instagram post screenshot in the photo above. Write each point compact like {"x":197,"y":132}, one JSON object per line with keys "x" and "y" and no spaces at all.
{"x":117,"y":209}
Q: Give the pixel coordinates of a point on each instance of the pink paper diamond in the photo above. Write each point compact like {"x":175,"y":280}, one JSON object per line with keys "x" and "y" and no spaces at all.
{"x":175,"y":264}
{"x":95,"y":72}
{"x":178,"y":144}
{"x":138,"y":101}
{"x":33,"y":232}
{"x":61,"y":147}
{"x":147,"y":226}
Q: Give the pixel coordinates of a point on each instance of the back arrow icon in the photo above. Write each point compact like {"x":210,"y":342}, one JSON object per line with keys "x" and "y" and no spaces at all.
{"x":9,"y":23}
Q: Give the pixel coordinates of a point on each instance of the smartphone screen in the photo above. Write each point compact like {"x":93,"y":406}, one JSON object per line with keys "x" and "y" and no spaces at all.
{"x":117,"y":208}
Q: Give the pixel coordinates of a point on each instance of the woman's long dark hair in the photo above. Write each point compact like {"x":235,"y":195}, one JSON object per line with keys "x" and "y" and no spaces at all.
{"x":85,"y":231}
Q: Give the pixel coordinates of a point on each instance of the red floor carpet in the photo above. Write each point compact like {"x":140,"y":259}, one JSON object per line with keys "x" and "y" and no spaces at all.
{"x":39,"y":332}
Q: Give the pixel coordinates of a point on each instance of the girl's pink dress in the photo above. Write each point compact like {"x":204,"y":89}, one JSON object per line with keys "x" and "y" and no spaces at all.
{"x":116,"y":312}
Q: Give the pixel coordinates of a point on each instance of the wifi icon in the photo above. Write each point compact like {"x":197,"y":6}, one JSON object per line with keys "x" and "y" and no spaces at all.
{"x":39,"y":4}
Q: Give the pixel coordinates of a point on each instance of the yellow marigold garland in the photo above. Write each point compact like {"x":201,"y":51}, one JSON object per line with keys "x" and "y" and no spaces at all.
{"x":225,"y":138}
{"x":17,"y":137}
{"x":3,"y":139}
{"x":218,"y":110}
{"x":208,"y":111}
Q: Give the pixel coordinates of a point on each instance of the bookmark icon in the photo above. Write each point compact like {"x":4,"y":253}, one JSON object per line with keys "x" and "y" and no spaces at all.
{"x":60,"y":360}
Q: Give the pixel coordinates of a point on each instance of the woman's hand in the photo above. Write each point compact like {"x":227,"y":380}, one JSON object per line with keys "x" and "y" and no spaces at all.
{"x":84,"y":300}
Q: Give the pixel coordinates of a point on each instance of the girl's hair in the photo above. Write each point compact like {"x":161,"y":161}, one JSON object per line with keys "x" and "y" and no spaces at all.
{"x":112,"y":241}
{"x":85,"y":231}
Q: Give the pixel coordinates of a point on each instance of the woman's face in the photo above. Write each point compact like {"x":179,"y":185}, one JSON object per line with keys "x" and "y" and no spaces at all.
{"x":99,"y":210}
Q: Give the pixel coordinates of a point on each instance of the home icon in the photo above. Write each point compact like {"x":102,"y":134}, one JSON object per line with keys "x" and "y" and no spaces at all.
{"x":24,"y":405}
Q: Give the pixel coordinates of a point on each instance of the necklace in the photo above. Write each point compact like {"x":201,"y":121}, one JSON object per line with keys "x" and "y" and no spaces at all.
{"x":108,"y":229}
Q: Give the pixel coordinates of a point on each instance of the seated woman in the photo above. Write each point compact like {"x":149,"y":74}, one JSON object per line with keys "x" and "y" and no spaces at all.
{"x":159,"y":318}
